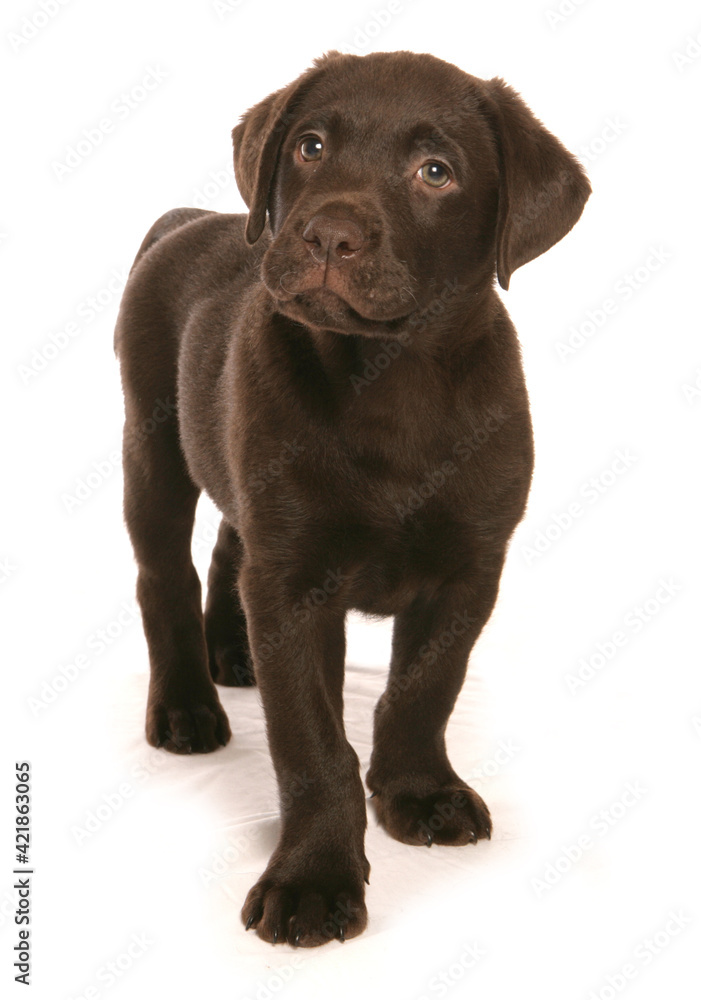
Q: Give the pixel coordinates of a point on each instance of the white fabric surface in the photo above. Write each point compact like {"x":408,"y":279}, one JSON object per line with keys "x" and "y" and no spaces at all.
{"x":176,"y":842}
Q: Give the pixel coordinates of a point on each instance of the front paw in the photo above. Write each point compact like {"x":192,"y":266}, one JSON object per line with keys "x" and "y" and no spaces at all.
{"x":198,"y":726}
{"x":307,"y":910}
{"x":453,"y":814}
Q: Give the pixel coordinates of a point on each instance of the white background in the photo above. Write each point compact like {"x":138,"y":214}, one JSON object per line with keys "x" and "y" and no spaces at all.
{"x":554,"y":764}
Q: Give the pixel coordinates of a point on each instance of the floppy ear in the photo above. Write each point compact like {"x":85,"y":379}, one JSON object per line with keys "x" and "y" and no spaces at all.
{"x":542,"y":187}
{"x":257,"y":139}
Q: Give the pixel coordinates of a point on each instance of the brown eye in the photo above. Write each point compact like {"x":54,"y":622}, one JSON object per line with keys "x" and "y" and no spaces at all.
{"x":311,"y":147}
{"x":434,"y":174}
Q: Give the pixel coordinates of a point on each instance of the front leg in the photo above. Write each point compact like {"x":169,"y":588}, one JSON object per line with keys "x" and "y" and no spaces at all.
{"x":417,"y":795}
{"x":313,"y":888}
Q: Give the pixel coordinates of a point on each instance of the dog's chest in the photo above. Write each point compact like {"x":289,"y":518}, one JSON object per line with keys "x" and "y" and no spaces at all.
{"x":389,"y":568}
{"x":399,"y":529}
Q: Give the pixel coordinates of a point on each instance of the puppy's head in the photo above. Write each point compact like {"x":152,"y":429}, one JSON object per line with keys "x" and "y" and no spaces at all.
{"x":387,"y":177}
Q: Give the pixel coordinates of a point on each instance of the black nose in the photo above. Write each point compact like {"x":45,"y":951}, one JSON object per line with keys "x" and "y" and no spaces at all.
{"x":332,"y":240}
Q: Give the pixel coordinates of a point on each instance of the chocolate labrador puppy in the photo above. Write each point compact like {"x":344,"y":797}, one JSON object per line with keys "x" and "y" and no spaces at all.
{"x":346,"y":385}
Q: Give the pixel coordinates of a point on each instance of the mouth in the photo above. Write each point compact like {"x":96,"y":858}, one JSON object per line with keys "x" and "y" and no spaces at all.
{"x":324,"y":309}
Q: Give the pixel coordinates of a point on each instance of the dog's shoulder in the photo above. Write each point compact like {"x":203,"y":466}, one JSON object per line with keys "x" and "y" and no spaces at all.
{"x":187,"y":256}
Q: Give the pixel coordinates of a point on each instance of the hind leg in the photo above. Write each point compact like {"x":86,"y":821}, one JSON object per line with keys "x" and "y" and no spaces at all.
{"x":224,"y":618}
{"x":184,"y":714}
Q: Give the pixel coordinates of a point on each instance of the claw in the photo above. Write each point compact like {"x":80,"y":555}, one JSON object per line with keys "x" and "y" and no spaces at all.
{"x":367,"y":880}
{"x":275,"y":936}
{"x":342,"y":934}
{"x":249,"y":922}
{"x":429,"y":839}
{"x":297,"y":937}
{"x":373,"y":794}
